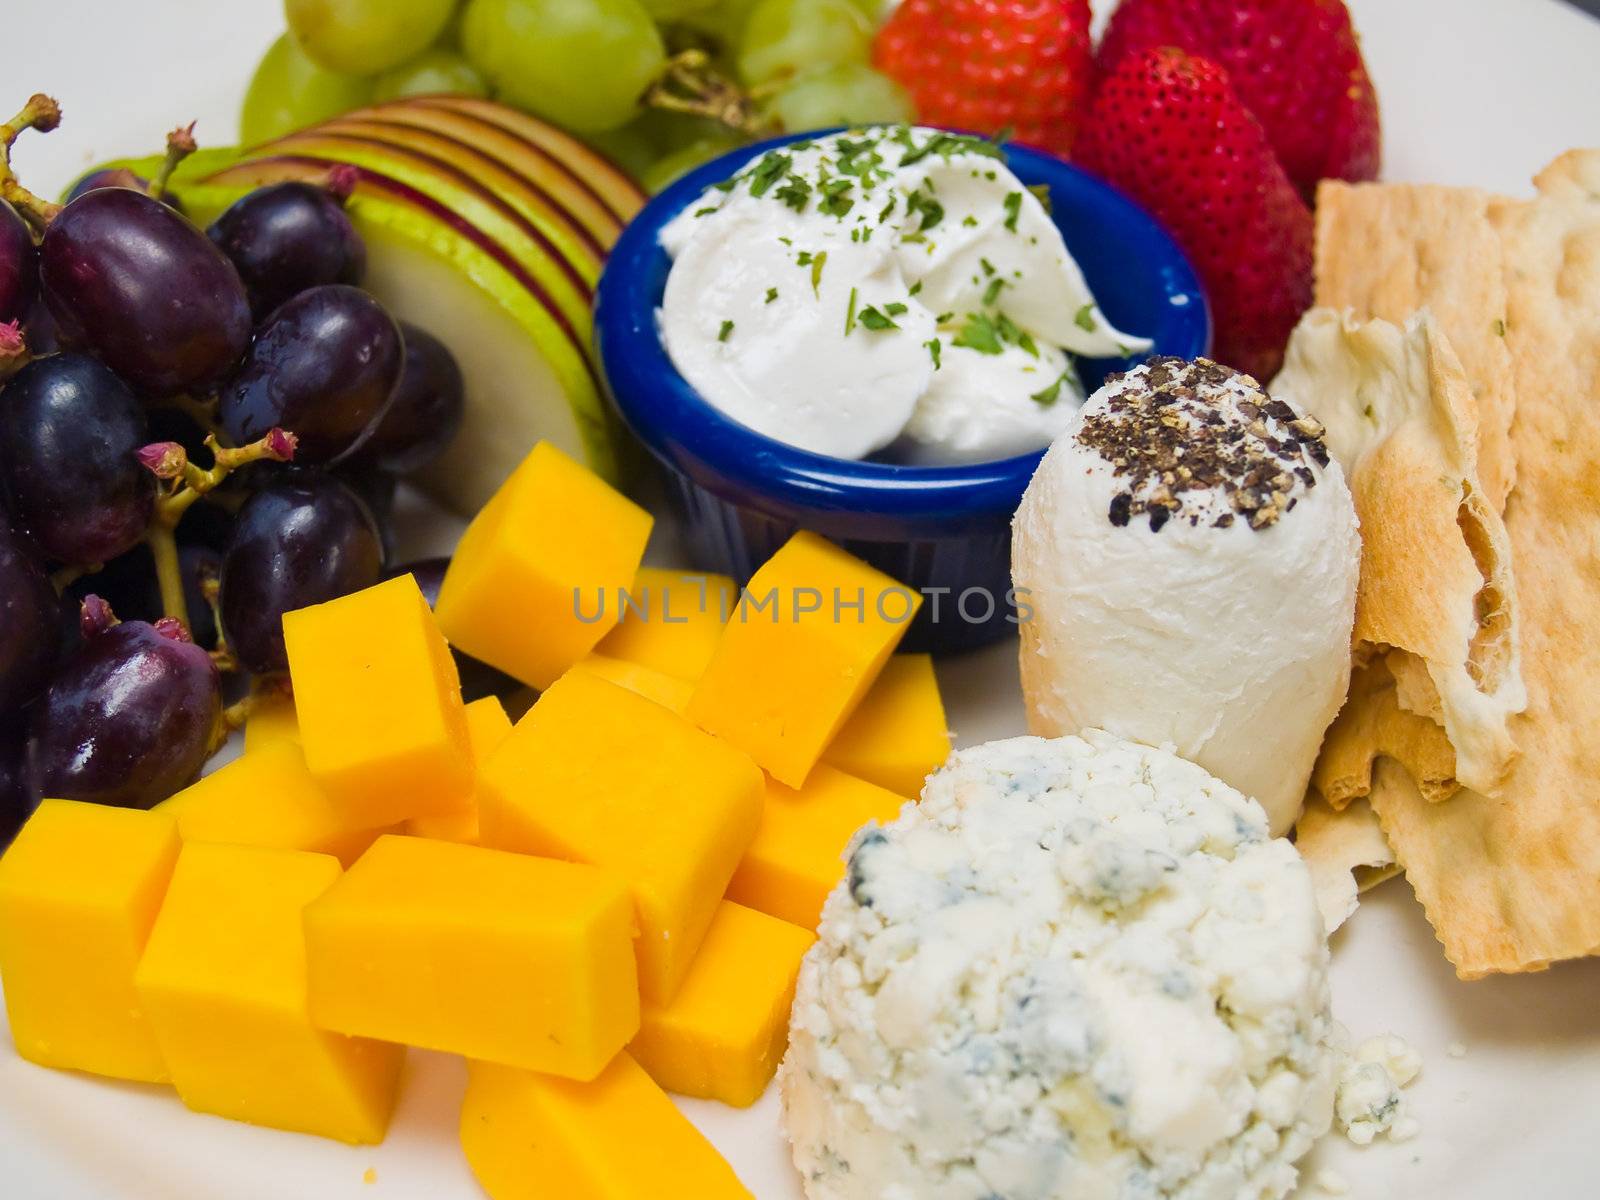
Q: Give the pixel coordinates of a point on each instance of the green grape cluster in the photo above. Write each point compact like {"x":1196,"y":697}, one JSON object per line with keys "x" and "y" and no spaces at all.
{"x":593,"y":67}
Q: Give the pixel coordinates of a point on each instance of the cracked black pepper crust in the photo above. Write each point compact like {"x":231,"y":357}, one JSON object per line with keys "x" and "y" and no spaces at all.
{"x":1171,"y":429}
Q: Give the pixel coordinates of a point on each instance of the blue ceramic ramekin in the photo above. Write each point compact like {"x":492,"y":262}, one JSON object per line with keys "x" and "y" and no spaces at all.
{"x":943,"y":530}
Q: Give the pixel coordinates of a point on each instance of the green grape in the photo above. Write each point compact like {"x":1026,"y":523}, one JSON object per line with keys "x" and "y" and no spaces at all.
{"x":433,"y":71}
{"x":677,"y":10}
{"x":289,"y":92}
{"x":844,"y":94}
{"x":654,"y":133}
{"x":784,"y":38}
{"x":363,"y":37}
{"x":681,"y":161}
{"x":583,"y":64}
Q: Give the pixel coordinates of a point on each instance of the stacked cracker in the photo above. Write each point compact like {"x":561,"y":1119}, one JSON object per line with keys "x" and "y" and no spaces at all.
{"x":1455,"y":358}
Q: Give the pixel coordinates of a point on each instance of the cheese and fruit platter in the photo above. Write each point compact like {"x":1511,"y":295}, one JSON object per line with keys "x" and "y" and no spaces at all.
{"x":800,"y":599}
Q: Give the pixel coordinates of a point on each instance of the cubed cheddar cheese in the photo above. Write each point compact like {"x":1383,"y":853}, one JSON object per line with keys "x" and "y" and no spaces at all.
{"x":802,"y":648}
{"x":666,"y":690}
{"x":267,"y":797}
{"x":671,"y":620}
{"x":504,"y":957}
{"x":536,"y":1137}
{"x":798,"y":853}
{"x":898,"y":735}
{"x":487,"y":727}
{"x":597,"y":774}
{"x":271,"y":719}
{"x":80,"y":888}
{"x":724,"y":1033}
{"x":224,"y":981}
{"x":533,"y":585}
{"x":379,"y":704}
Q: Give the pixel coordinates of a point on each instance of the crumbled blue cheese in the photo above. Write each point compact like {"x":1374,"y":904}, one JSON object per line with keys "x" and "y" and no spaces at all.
{"x":1368,"y":1102}
{"x":1079,"y":968}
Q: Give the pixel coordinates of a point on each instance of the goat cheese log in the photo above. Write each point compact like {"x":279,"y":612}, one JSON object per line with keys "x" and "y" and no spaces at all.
{"x":1080,"y":969}
{"x":1190,"y":557}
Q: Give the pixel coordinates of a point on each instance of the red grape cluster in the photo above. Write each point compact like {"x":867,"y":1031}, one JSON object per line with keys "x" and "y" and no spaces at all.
{"x":133,"y":343}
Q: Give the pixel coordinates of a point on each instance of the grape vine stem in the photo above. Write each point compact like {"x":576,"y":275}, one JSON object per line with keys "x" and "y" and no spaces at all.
{"x":41,"y":113}
{"x":184,"y":483}
{"x":690,"y":84}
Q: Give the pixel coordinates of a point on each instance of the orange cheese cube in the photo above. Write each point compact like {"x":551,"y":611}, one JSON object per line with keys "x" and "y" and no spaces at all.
{"x":806,"y":642}
{"x":723,"y":1035}
{"x":487,"y":727}
{"x":536,"y":1137}
{"x":512,"y":959}
{"x":671,"y":620}
{"x":597,"y":774}
{"x":798,"y":853}
{"x":267,"y":797}
{"x":379,"y":704}
{"x":224,"y":980}
{"x":898,"y":735}
{"x":79,"y":890}
{"x":271,"y":719}
{"x":533,"y":585}
{"x":666,"y":690}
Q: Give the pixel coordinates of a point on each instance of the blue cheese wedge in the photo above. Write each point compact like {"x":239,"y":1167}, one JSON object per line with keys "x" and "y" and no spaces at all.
{"x":1079,"y":968}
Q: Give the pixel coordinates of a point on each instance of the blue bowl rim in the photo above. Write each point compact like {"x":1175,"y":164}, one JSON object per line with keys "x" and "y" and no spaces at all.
{"x":687,"y":433}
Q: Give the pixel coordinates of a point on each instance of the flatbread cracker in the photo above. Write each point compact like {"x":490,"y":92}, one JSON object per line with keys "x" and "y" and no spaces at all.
{"x":1389,"y":250}
{"x":1513,"y":884}
{"x":1346,"y":854}
{"x":1435,"y":560}
{"x":1371,"y":724}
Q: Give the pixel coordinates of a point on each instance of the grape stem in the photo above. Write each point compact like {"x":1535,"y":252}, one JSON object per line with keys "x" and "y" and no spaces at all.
{"x":180,"y":144}
{"x":41,"y":113}
{"x":184,"y":484}
{"x":690,"y":84}
{"x":211,"y":589}
{"x":13,"y":350}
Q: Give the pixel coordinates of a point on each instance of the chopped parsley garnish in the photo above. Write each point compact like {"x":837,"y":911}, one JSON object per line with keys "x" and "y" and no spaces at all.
{"x":1013,"y":206}
{"x":1045,"y":397}
{"x":979,"y":333}
{"x":888,"y":210}
{"x":945,"y":144}
{"x":850,"y":314}
{"x":895,"y":309}
{"x":1017,"y":337}
{"x":795,"y":192}
{"x":817,"y":263}
{"x":878,"y":320}
{"x":1085,"y":319}
{"x":834,"y":202}
{"x":988,"y":267}
{"x":992,"y":292}
{"x":925,"y":206}
{"x":1041,"y":192}
{"x":707,"y":210}
{"x":969,"y":221}
{"x":772,"y":294}
{"x":772,"y":167}
{"x":935,"y":348}
{"x":915,"y":288}
{"x":727,"y":328}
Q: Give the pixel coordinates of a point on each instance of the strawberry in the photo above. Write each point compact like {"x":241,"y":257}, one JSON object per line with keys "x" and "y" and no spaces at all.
{"x":1296,"y":64}
{"x":1168,"y":130}
{"x":993,"y":65}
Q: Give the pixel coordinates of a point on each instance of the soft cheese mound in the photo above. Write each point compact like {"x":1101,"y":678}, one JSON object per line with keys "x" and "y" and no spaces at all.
{"x":1190,"y":556}
{"x":1079,"y":969}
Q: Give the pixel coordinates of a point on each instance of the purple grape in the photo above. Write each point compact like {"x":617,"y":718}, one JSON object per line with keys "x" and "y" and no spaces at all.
{"x":39,"y":329}
{"x":377,"y":489}
{"x":426,"y":409}
{"x":69,"y":430}
{"x":142,"y":287}
{"x":128,"y":720}
{"x":301,"y":540}
{"x":287,"y":237}
{"x":118,"y":177}
{"x":322,"y":366}
{"x":16,"y":802}
{"x":478,"y":678}
{"x":19,"y":265}
{"x":28,"y":623}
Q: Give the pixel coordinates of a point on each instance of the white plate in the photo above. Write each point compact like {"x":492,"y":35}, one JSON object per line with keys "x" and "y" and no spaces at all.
{"x":1473,"y":91}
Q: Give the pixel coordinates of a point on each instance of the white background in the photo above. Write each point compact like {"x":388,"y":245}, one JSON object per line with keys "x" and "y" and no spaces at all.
{"x":1473,"y":92}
